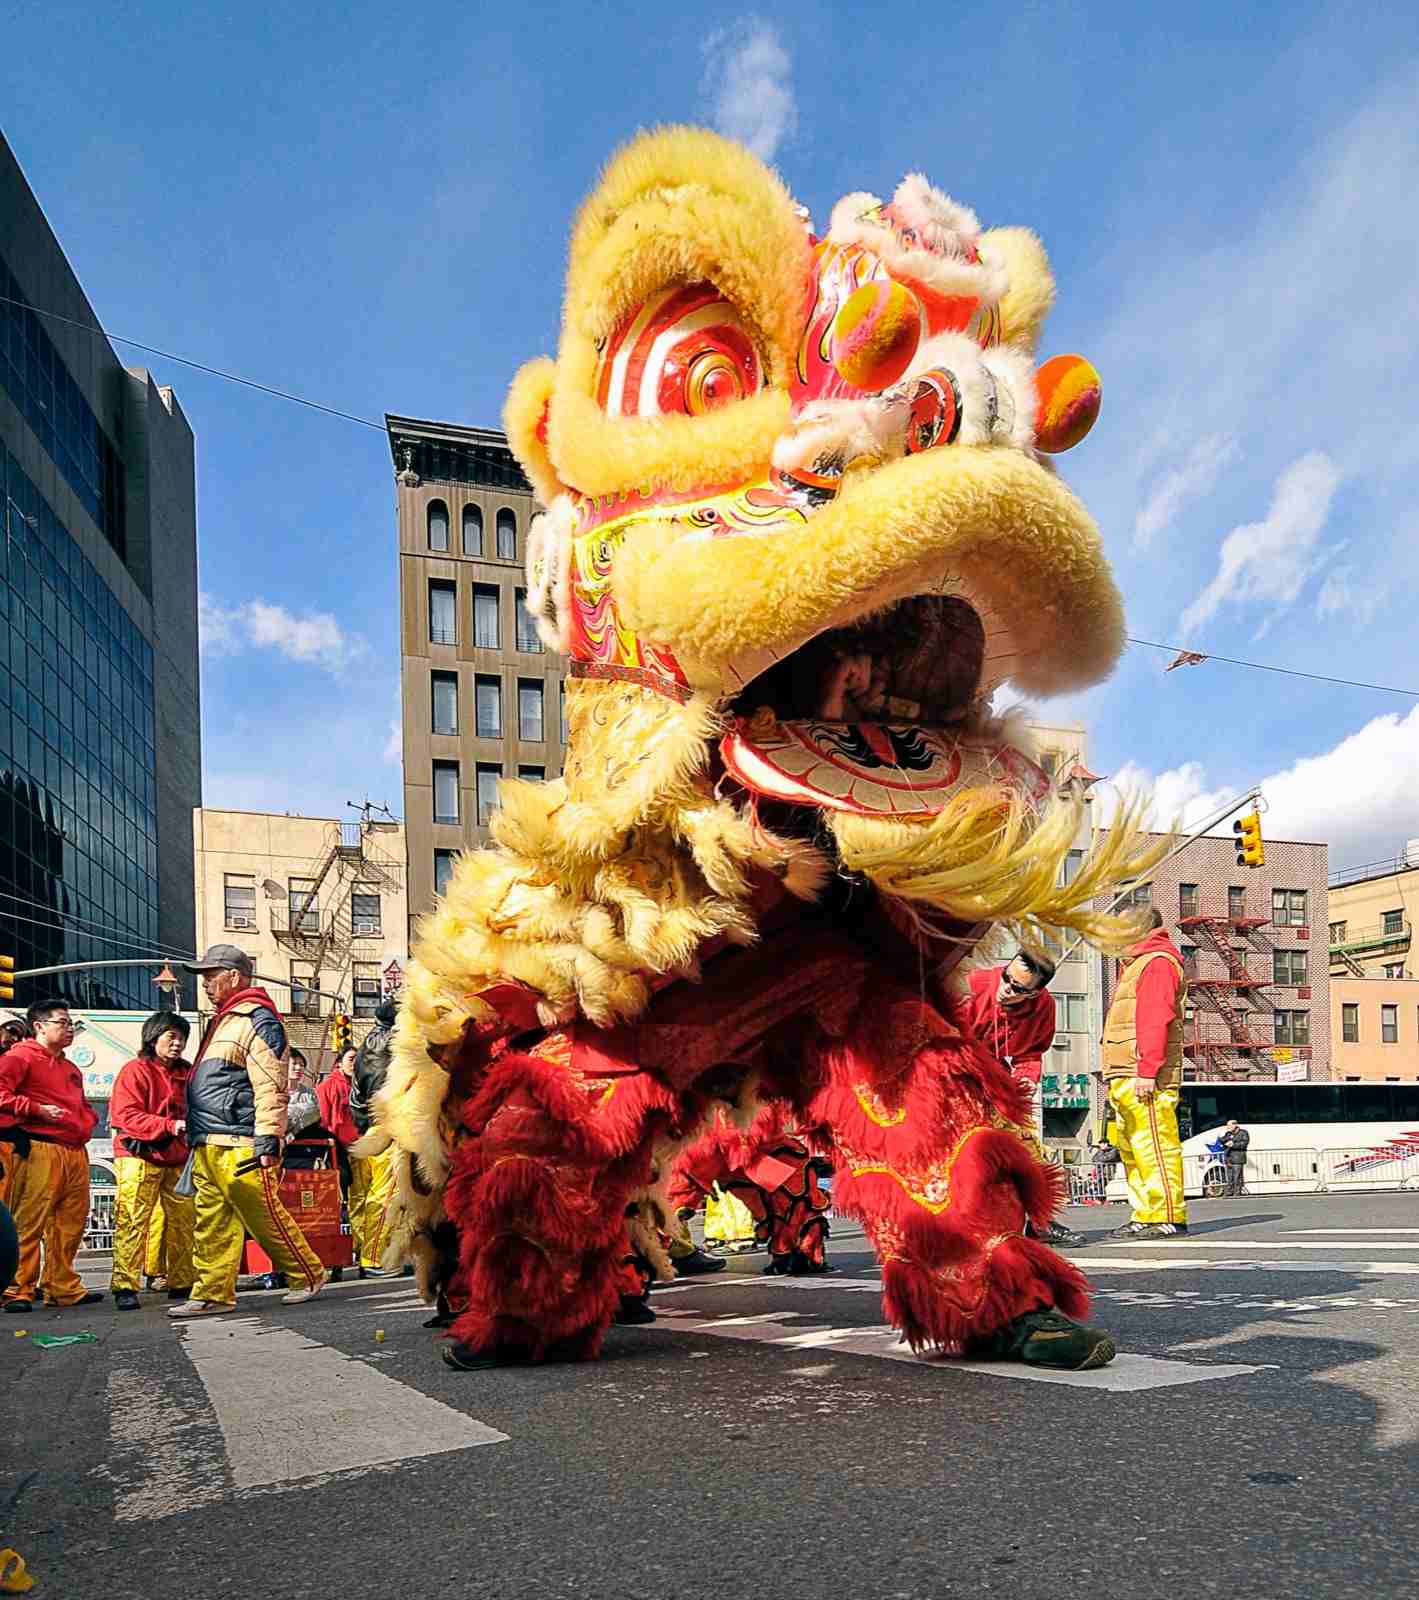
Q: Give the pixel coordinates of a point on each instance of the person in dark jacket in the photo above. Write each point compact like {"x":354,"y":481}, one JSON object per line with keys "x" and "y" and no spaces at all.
{"x":148,"y":1114}
{"x":236,"y":1125}
{"x":1235,"y":1140}
{"x":371,"y":1065}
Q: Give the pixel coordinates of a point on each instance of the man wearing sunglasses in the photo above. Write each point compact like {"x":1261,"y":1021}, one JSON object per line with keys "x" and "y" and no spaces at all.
{"x":1011,"y":1013}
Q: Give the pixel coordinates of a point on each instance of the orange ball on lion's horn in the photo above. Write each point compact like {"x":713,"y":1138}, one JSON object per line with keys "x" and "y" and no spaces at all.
{"x":1070,"y":392}
{"x":875,"y":334}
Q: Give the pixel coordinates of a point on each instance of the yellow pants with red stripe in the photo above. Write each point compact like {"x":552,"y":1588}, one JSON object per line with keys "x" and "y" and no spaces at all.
{"x":1147,"y":1139}
{"x":371,"y":1189}
{"x":49,"y":1198}
{"x":147,"y":1192}
{"x":230,"y":1205}
{"x":155,"y":1246}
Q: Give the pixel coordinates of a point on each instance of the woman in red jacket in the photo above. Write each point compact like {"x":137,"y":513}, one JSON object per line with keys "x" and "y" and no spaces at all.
{"x":148,"y":1112}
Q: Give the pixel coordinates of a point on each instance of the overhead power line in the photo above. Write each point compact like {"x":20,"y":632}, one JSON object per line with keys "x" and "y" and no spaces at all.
{"x":1262,"y":666}
{"x":198,"y":366}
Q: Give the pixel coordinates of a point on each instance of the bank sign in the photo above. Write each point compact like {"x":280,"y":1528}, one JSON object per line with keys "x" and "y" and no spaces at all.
{"x":1065,"y":1091}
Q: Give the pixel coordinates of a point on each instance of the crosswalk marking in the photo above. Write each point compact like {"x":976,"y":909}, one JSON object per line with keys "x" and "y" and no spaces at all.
{"x":1125,"y":1374}
{"x":1187,"y":1242}
{"x":1362,"y":1232}
{"x":1107,"y":1264}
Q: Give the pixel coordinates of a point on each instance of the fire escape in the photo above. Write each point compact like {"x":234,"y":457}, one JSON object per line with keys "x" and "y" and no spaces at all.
{"x":328,"y":940}
{"x":1222,"y":1041}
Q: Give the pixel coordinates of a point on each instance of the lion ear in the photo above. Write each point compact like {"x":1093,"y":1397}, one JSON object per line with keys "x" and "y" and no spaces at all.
{"x":1026,"y":303}
{"x":525,"y":417}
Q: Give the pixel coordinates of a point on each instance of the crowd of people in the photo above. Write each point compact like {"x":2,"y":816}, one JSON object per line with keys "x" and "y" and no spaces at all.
{"x":199,"y":1144}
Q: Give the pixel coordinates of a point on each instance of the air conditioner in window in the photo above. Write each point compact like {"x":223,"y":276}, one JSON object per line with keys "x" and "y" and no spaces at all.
{"x":366,"y":925}
{"x":241,"y":922}
{"x":1061,"y":1041}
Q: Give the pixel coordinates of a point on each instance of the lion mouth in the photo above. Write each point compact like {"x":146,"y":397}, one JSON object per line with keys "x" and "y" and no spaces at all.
{"x":918,"y":662}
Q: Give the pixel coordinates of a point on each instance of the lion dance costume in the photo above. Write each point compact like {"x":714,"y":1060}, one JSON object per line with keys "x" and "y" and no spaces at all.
{"x":799,"y":528}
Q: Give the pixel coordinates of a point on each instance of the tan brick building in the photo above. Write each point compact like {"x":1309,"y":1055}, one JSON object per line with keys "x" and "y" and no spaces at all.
{"x":481,"y":696}
{"x":320,"y":905}
{"x":1373,"y":988}
{"x":1256,"y":961}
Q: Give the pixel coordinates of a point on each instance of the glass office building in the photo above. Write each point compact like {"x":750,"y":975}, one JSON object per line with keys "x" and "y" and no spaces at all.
{"x":99,"y":742}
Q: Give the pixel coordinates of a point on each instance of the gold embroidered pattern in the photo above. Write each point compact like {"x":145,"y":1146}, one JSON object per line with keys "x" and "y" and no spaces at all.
{"x":873,"y":1107}
{"x":928,"y":1186}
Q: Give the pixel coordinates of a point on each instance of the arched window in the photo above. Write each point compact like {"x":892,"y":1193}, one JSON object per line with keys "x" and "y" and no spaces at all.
{"x":438,"y":525}
{"x":472,"y":531}
{"x":507,"y":535}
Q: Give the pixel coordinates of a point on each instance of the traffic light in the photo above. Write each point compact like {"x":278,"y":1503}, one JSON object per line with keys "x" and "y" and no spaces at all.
{"x":7,"y":979}
{"x":1251,"y":852}
{"x":340,"y":1039}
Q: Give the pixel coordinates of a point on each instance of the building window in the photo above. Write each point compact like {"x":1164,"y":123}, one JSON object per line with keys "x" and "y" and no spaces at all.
{"x":488,"y":706}
{"x":1293,"y":1027}
{"x":444,"y":694}
{"x":239,"y":894}
{"x":529,"y":710}
{"x":1069,"y":868}
{"x":472,"y":531}
{"x":1350,"y":1024}
{"x":1288,"y":966}
{"x":1236,"y":901}
{"x":1394,"y":969}
{"x":443,"y":869}
{"x":1288,"y":908}
{"x":1337,"y":933}
{"x":365,"y":980}
{"x":485,"y":616}
{"x":1071,"y":1013}
{"x":529,"y":641}
{"x":303,"y":906}
{"x":1138,"y":898}
{"x":507,"y":535}
{"x":1188,"y":902}
{"x":1188,"y":952}
{"x":489,"y":774}
{"x":1389,"y":1024}
{"x":443,"y":609}
{"x":446,"y":791}
{"x":532,"y":774}
{"x":365,"y":916}
{"x":562,"y":706}
{"x":438,"y":525}
{"x":1393,"y":922}
{"x":305,"y":1002}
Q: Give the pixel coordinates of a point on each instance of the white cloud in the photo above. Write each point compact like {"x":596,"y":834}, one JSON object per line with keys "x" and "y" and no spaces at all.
{"x":1270,"y":561}
{"x":749,"y":79}
{"x":1180,"y":487}
{"x":314,"y":637}
{"x":1357,"y":797}
{"x":1343,"y":594}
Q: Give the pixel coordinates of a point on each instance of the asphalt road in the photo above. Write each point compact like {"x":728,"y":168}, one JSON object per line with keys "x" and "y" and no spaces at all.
{"x":1259,"y":1436}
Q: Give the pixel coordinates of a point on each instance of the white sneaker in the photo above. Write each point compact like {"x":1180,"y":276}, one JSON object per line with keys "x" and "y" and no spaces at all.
{"x":298,"y":1297}
{"x":200,"y":1308}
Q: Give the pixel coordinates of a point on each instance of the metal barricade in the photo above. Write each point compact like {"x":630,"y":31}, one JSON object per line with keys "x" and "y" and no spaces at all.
{"x":1382,"y":1166}
{"x":98,"y":1232}
{"x":1088,"y":1185}
{"x":1266,"y":1172}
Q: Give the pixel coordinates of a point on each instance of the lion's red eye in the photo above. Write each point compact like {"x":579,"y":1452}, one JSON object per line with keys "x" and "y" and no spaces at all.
{"x":685,"y":351}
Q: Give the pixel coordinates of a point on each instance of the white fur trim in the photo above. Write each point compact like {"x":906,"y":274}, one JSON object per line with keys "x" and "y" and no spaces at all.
{"x":841,"y":432}
{"x":1017,"y":397}
{"x":942,"y":223}
{"x":962,"y":357}
{"x":945,"y":275}
{"x":549,"y":559}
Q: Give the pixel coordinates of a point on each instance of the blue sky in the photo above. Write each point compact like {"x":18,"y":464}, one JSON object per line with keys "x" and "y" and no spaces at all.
{"x":369,"y":207}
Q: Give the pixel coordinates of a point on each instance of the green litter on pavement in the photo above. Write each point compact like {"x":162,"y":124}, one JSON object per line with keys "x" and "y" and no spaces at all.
{"x":50,"y":1340}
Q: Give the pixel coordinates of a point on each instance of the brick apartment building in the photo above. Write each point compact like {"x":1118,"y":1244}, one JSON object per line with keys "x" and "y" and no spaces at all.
{"x":1256,"y":956}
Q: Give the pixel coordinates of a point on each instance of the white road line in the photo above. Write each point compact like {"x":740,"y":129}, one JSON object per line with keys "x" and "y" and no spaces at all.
{"x":1186,"y":1242}
{"x":1363,"y":1232}
{"x":290,"y":1408}
{"x":1125,"y":1374}
{"x":1105,"y":1264}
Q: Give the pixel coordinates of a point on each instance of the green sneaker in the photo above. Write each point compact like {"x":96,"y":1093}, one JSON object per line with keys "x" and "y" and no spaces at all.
{"x":1050,"y":1339}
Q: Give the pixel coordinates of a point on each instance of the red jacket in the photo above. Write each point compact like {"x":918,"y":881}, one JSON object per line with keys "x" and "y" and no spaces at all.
{"x":149,"y":1100}
{"x":332,"y":1095}
{"x":1157,"y":1001}
{"x":1017,"y":1036}
{"x":29,"y":1077}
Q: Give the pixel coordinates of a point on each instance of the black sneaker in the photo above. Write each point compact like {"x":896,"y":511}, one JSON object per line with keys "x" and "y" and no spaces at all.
{"x":465,"y":1358}
{"x":802,"y":1266}
{"x":1060,"y":1237}
{"x":1129,"y":1230}
{"x":126,"y":1300}
{"x":90,"y":1298}
{"x":777,"y":1265}
{"x":1050,"y":1339}
{"x":180,"y":1294}
{"x":1161,"y":1230}
{"x":697,"y":1264}
{"x":18,"y":1305}
{"x":633,"y":1312}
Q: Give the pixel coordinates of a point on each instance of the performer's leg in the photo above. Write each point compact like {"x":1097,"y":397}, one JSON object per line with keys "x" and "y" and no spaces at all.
{"x":1154,"y":1154}
{"x":217,"y":1233}
{"x":139,"y":1187}
{"x":32,"y":1198}
{"x":178,"y":1214}
{"x":60,"y":1284}
{"x":255,"y":1196}
{"x":928,"y":1160}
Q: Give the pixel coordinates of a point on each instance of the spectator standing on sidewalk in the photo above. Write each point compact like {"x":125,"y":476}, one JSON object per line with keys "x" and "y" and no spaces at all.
{"x":1143,"y":1064}
{"x":371,"y":1182}
{"x":14,"y":1143}
{"x":42,"y":1097}
{"x":1235,"y":1140}
{"x":236,"y":1125}
{"x":148,"y":1114}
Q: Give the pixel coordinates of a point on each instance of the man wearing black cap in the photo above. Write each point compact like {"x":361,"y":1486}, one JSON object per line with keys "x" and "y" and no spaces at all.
{"x":236,"y":1125}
